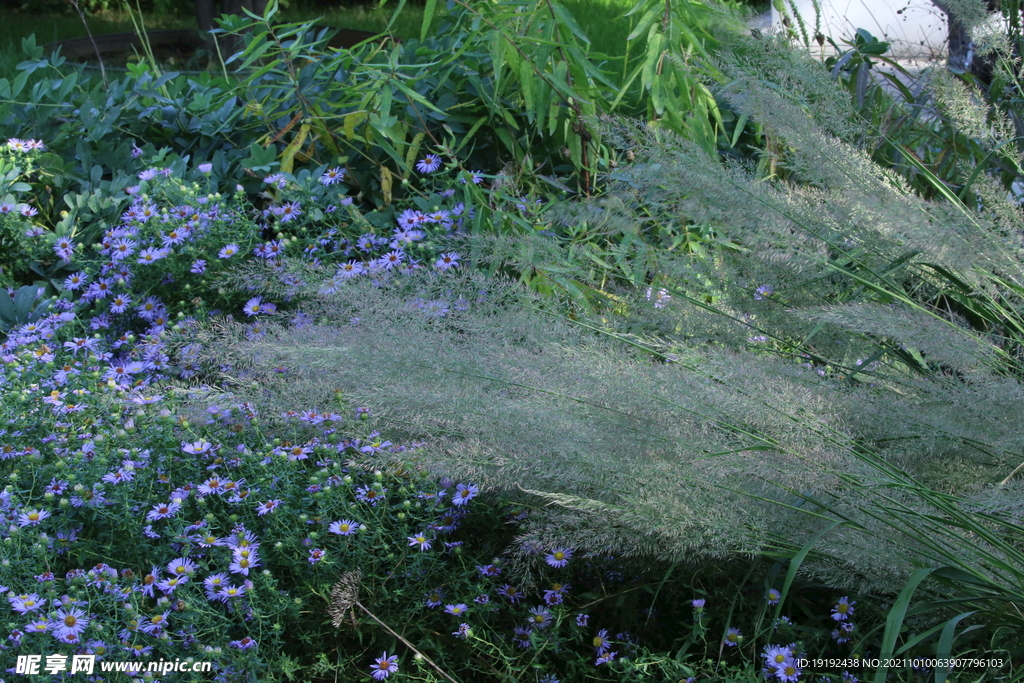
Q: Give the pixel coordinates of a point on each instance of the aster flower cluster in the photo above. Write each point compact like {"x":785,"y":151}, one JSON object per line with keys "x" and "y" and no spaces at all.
{"x":780,"y":663}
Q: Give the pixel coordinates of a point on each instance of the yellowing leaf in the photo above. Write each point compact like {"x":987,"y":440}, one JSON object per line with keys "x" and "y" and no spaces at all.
{"x":288,"y":155}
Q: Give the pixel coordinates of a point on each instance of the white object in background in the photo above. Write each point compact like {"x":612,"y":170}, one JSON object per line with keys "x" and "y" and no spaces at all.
{"x":915,"y":29}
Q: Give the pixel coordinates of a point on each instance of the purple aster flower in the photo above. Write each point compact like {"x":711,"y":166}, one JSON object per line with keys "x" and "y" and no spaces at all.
{"x":601,"y":643}
{"x":788,"y":671}
{"x":200,"y":447}
{"x":198,"y":267}
{"x":168,"y":586}
{"x":332,"y":176}
{"x":431,"y":163}
{"x":391,"y":259}
{"x":37,"y":626}
{"x":553,"y":598}
{"x":384,"y":666}
{"x":316,"y":555}
{"x":434,"y":598}
{"x":213,"y":486}
{"x":75,"y":281}
{"x":521,"y":636}
{"x":842,"y":634}
{"x":539,"y":617}
{"x":732,"y":637}
{"x":149,"y":173}
{"x":462,"y":632}
{"x":229,"y":592}
{"x":244,"y":560}
{"x":559,"y":557}
{"x":345,"y":527}
{"x":276,"y":179}
{"x":213,"y":584}
{"x":582,"y":619}
{"x":268,"y":506}
{"x":163,"y":511}
{"x":32,"y":517}
{"x":182,"y":566}
{"x":447,"y":261}
{"x":773,"y":596}
{"x":843,"y":609}
{"x":289,"y":211}
{"x":152,"y":254}
{"x":488,"y":570}
{"x":120,"y":303}
{"x":365,"y":494}
{"x":205,"y":168}
{"x":64,"y":248}
{"x":456,"y":610}
{"x":464,"y":493}
{"x":511,"y":592}
{"x":228,"y":251}
{"x":698,"y":604}
{"x":254,"y":306}
{"x":662,"y":299}
{"x":776,"y":654}
{"x":72,"y":621}
{"x":605,"y":658}
{"x":24,"y":604}
{"x":246,"y":643}
{"x":763,"y":291}
{"x":139,"y":650}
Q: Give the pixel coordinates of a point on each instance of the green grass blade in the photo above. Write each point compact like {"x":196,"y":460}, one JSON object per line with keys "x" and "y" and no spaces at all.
{"x":945,"y":646}
{"x":894,"y":621}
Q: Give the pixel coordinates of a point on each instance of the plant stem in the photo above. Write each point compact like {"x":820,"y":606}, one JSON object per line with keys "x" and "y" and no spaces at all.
{"x":407,"y":643}
{"x":81,"y":14}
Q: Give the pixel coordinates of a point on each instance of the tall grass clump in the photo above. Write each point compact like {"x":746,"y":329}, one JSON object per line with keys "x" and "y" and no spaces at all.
{"x":839,"y":373}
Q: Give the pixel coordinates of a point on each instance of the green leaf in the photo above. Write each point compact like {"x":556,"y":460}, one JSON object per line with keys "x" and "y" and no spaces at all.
{"x":740,"y":125}
{"x":7,"y":313}
{"x":796,"y":561}
{"x":428,"y":18}
{"x":894,"y":620}
{"x":945,"y":646}
{"x":23,"y":300}
{"x":645,"y":22}
{"x":528,"y":84}
{"x":566,"y":17}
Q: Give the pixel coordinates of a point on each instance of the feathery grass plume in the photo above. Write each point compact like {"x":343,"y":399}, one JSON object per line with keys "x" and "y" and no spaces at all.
{"x":617,"y":453}
{"x":937,"y":340}
{"x":984,"y":27}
